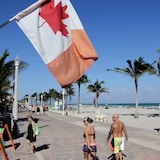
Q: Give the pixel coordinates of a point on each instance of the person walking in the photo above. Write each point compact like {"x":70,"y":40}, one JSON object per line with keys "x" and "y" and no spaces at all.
{"x":116,"y":132}
{"x":38,"y":110}
{"x":89,"y":146}
{"x":30,"y":109}
{"x":31,"y":137}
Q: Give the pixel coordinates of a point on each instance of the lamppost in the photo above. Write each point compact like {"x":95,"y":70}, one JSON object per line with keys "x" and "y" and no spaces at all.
{"x":41,"y":102}
{"x":15,"y":103}
{"x":63,"y":94}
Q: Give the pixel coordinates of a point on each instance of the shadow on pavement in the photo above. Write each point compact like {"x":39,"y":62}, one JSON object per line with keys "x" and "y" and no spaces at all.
{"x":20,"y":135}
{"x":44,"y":126}
{"x":154,"y":115}
{"x":16,"y":145}
{"x":43,"y":147}
{"x":112,"y":156}
{"x":22,"y":119}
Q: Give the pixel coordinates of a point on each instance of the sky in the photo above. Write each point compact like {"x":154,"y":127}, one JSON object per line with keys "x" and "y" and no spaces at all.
{"x":118,"y":29}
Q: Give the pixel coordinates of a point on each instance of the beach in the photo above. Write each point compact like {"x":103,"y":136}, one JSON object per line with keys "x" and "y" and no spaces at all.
{"x":148,"y":118}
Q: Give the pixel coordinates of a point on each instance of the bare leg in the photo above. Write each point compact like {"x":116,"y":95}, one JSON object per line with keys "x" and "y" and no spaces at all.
{"x":34,"y":147}
{"x":93,"y":155}
{"x":120,"y":155}
{"x":86,"y":156}
{"x":31,"y":146}
{"x":117,"y":156}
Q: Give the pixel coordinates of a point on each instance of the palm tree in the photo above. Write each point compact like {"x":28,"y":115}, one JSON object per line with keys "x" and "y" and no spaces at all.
{"x":135,"y":70}
{"x":52,"y":95}
{"x":59,"y":97}
{"x":45,"y":97}
{"x":35,"y":98}
{"x":83,"y":80}
{"x":97,"y":88}
{"x":6,"y":72}
{"x":69,"y":92}
{"x":7,"y":69}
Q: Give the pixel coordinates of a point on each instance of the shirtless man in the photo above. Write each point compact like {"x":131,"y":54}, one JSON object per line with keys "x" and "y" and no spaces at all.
{"x":116,"y":131}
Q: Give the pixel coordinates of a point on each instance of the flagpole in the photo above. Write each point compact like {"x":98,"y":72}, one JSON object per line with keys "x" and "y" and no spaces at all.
{"x":63,"y":93}
{"x":24,"y":12}
{"x":5,"y":23}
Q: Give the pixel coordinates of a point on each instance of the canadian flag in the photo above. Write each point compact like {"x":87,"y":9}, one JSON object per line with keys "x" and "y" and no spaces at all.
{"x":54,"y":29}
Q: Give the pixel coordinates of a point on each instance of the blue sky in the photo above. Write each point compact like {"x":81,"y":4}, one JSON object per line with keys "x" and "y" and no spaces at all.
{"x":119,"y":30}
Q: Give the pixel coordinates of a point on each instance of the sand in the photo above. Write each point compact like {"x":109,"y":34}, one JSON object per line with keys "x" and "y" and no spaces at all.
{"x":148,"y":118}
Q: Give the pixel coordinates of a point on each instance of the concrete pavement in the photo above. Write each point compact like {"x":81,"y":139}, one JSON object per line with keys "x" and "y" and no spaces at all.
{"x":61,"y":139}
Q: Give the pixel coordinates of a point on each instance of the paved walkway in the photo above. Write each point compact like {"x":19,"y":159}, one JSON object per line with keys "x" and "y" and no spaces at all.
{"x":61,"y":139}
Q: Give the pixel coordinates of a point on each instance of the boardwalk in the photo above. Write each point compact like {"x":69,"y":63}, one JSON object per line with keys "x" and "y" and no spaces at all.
{"x":61,"y":139}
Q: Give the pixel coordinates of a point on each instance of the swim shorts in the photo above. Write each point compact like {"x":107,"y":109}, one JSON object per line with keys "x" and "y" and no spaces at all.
{"x":93,"y":147}
{"x":117,"y":144}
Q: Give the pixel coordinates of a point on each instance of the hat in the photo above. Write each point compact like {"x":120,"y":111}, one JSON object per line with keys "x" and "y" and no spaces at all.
{"x":85,"y":119}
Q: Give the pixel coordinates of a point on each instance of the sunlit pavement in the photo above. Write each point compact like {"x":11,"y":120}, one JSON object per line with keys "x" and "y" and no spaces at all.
{"x":61,"y":139}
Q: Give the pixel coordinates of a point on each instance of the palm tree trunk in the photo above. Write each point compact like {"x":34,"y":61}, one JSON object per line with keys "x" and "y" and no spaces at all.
{"x":96,"y":102}
{"x":136,"y":111}
{"x":78,"y":110}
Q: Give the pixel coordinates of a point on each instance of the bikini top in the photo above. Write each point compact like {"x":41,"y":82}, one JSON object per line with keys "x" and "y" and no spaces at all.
{"x":93,"y":134}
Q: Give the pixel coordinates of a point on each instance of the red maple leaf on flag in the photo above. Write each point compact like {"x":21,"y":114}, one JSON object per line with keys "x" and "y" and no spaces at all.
{"x":54,"y":15}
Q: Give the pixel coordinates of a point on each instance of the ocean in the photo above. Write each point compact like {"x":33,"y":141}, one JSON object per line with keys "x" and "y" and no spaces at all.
{"x":114,"y":105}
{"x":127,"y":105}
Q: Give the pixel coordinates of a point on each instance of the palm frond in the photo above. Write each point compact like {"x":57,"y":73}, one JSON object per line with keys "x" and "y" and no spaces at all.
{"x":158,"y":51}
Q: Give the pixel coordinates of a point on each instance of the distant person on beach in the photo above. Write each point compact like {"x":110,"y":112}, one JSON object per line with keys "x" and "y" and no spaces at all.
{"x":33,"y":109}
{"x":44,"y":109}
{"x":30,"y":109}
{"x":38,"y":110}
{"x":89,"y":146}
{"x":31,"y":137}
{"x":116,"y":132}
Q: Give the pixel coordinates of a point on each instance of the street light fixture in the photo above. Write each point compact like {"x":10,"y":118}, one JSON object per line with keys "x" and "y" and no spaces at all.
{"x":15,"y":103}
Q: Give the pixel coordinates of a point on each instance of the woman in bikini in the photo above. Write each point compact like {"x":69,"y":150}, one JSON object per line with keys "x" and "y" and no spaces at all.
{"x":89,"y":146}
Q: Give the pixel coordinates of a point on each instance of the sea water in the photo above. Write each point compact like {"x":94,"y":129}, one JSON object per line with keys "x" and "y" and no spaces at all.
{"x":127,"y":105}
